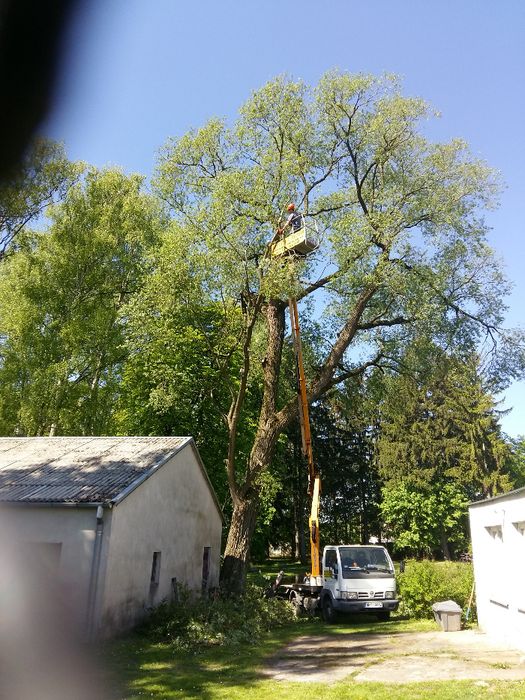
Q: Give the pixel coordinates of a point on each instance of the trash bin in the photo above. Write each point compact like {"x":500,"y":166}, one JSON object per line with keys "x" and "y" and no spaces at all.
{"x":448,"y":615}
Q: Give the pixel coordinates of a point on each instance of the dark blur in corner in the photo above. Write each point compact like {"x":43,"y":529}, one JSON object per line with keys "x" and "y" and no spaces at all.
{"x":42,"y":654}
{"x":31,"y":44}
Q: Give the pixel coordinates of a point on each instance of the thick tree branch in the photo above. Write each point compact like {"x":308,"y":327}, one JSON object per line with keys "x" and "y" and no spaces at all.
{"x":324,"y":378}
{"x":322,"y":282}
{"x":236,"y":406}
{"x":354,"y":371}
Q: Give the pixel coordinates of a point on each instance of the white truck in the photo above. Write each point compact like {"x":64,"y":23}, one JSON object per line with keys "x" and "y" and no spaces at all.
{"x":355,"y":579}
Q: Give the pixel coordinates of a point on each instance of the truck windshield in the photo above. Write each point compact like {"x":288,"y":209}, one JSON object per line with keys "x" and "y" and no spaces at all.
{"x":364,"y":559}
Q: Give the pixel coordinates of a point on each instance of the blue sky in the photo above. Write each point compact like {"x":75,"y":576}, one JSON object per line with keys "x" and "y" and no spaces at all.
{"x":138,"y":71}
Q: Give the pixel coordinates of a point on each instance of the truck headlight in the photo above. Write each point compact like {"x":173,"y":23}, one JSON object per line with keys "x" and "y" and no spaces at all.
{"x":390,"y":594}
{"x":351,"y":595}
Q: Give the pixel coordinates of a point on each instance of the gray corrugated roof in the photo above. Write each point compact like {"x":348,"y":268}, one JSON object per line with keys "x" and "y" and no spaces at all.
{"x":78,"y":469}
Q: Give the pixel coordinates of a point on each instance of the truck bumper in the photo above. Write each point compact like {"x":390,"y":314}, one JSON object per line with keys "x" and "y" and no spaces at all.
{"x":360,"y":606}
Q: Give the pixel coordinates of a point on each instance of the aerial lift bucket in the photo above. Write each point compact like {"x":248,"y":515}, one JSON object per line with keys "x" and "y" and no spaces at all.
{"x":300,"y":242}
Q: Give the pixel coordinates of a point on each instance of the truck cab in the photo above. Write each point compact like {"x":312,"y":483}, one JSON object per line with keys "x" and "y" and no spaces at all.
{"x":358,"y":579}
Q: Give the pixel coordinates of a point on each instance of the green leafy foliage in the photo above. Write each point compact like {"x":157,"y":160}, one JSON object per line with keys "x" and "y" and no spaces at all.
{"x":61,"y":348}
{"x":517,"y":461}
{"x":44,"y":176}
{"x":226,"y":621}
{"x":426,"y":521}
{"x":426,"y":582}
{"x":399,"y":256}
{"x":344,"y":452}
{"x":130,"y":315}
{"x":439,"y":422}
{"x":440,"y":446}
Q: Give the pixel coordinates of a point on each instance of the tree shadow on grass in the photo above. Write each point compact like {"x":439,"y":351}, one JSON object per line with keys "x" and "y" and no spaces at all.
{"x":164,"y":671}
{"x":147,"y":669}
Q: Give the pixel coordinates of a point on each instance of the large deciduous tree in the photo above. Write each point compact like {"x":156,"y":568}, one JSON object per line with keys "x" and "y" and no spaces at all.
{"x":61,"y":337}
{"x":403,"y":250}
{"x":427,"y":522}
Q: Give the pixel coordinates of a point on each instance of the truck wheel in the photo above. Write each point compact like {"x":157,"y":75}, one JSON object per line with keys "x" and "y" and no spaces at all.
{"x":328,"y":610}
{"x":383,"y":616}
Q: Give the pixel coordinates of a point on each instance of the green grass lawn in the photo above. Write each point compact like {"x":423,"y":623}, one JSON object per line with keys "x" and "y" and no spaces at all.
{"x":269,"y":569}
{"x":146,"y":670}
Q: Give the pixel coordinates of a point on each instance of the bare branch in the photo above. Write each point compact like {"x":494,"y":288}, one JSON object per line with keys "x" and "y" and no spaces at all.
{"x":317,"y":285}
{"x":325,"y":376}
{"x":377,"y":323}
{"x":354,"y":371}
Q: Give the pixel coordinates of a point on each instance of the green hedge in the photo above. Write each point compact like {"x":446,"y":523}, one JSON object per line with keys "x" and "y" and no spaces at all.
{"x":426,"y":582}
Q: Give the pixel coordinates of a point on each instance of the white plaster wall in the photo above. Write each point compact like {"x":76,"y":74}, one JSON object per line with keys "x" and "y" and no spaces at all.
{"x":74,"y":529}
{"x":172,"y":512}
{"x":499,"y":567}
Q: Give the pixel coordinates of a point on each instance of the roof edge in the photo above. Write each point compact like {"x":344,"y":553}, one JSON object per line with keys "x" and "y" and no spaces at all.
{"x":55,"y":504}
{"x":146,"y":475}
{"x":512,"y":493}
{"x":205,"y":474}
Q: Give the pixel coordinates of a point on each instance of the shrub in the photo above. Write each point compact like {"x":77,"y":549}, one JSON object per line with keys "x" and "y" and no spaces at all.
{"x":193,"y":622}
{"x":426,"y":582}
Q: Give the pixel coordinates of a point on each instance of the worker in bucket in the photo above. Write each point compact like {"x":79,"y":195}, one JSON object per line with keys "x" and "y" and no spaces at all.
{"x":293,"y":221}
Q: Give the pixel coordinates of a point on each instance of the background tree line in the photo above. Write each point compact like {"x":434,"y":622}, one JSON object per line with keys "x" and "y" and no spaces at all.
{"x":133,"y":311}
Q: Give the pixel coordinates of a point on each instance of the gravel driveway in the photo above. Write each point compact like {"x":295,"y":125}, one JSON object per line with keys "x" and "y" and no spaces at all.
{"x":402,"y":657}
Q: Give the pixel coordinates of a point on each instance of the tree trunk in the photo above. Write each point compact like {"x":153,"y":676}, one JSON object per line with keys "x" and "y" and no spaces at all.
{"x":293,"y":545}
{"x":272,"y":422}
{"x":444,"y":546}
{"x":237,"y":552}
{"x":245,"y":496}
{"x":298,"y":529}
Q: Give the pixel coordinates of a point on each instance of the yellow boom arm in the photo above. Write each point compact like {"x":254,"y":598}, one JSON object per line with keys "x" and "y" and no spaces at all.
{"x":314,"y":481}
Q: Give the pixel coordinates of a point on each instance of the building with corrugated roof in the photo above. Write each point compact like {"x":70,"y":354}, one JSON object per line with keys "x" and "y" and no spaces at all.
{"x":118,"y":524}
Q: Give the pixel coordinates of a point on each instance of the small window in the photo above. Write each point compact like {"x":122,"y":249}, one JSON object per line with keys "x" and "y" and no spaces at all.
{"x":495,"y":531}
{"x":205,"y":567}
{"x":155,"y":569}
{"x":331,"y":559}
{"x":520,"y":526}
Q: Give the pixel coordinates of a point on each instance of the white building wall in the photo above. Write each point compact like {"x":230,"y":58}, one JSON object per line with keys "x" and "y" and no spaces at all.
{"x":173,"y":512}
{"x":24,"y":527}
{"x":498,"y":545}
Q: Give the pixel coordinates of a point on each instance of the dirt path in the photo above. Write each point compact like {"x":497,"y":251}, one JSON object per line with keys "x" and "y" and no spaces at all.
{"x":396,"y":658}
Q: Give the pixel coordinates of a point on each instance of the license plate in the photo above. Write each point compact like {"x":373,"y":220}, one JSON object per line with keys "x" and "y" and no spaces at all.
{"x":373,"y":604}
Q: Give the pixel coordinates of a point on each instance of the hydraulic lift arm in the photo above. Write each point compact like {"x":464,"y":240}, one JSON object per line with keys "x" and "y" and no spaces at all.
{"x":314,"y":480}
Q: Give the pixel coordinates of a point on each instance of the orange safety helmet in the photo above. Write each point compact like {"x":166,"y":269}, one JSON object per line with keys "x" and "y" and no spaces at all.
{"x":290,"y":207}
